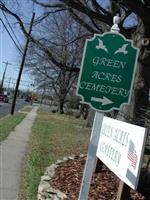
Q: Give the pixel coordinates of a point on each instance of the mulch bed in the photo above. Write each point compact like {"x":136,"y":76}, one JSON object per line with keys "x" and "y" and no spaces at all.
{"x":104,"y":185}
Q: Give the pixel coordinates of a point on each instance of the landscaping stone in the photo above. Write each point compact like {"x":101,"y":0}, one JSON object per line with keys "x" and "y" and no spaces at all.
{"x":65,"y":158}
{"x":59,"y":161}
{"x":45,"y":178}
{"x":45,"y":191}
{"x":51,"y":170}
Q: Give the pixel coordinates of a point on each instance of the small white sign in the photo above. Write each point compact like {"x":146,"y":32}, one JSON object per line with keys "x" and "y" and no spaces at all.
{"x":121,"y":148}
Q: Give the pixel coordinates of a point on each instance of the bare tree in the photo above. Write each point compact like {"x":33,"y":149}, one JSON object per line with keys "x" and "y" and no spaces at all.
{"x":65,"y":40}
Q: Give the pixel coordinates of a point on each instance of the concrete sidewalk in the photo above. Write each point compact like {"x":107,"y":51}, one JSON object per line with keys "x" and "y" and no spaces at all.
{"x":12,"y":152}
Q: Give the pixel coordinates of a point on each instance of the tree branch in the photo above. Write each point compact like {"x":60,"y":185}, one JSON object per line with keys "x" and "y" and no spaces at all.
{"x":57,"y":5}
{"x":38,"y":43}
{"x":141,"y":10}
{"x":98,"y":8}
{"x":82,"y":22}
{"x":100,"y":17}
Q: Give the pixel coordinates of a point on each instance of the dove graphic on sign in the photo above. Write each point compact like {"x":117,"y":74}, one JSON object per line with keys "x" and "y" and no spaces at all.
{"x":122,"y":49}
{"x":101,"y":46}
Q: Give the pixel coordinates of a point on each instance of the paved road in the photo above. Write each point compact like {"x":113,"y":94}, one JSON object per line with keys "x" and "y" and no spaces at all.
{"x":5,"y":108}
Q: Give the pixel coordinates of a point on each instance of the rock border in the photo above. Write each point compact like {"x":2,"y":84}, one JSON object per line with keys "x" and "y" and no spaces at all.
{"x":45,"y":191}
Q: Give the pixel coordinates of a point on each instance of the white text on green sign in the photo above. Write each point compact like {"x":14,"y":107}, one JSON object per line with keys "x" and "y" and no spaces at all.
{"x":107,"y":71}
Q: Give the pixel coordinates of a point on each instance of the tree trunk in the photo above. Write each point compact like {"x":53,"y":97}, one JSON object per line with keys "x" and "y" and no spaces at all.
{"x":84,"y":109}
{"x":90,"y":118}
{"x":142,"y":80}
{"x":61,"y":106}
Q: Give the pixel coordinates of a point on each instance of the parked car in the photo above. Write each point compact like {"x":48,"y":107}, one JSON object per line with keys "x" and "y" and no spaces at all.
{"x":4,"y":98}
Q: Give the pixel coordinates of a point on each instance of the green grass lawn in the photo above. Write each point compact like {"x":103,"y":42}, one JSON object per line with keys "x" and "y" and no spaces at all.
{"x":53,"y":137}
{"x":26,"y":109}
{"x":8,"y":123}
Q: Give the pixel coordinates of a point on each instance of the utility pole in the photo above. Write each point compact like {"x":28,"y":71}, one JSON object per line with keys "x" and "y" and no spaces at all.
{"x":3,"y":78}
{"x":22,"y":64}
{"x":9,"y":82}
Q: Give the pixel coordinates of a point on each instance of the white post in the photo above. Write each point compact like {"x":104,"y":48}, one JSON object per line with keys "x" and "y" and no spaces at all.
{"x":91,"y":157}
{"x":115,"y":28}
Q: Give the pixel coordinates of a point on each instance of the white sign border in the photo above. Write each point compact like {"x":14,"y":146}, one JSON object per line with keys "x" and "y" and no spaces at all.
{"x":133,"y":75}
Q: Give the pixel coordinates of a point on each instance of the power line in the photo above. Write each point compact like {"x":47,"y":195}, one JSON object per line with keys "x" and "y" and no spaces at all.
{"x":11,"y":36}
{"x":12,"y":30}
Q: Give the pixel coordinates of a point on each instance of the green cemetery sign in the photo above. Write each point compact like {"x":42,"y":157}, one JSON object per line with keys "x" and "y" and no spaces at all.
{"x":107,"y":71}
